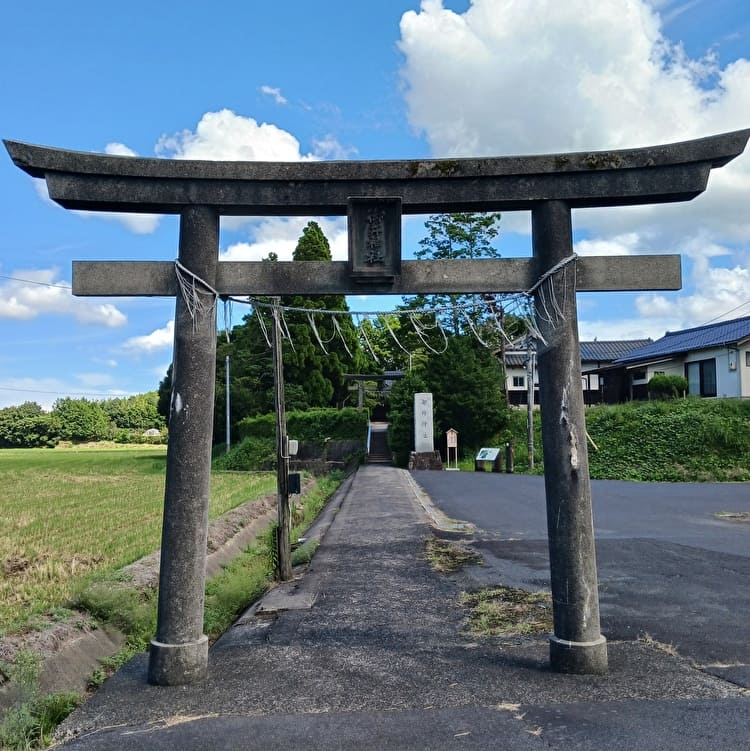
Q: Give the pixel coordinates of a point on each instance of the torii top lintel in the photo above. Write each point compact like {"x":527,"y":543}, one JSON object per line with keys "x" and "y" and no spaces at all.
{"x":656,"y":174}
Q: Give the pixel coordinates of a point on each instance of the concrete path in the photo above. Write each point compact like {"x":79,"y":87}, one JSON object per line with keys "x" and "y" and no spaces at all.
{"x":368,"y":651}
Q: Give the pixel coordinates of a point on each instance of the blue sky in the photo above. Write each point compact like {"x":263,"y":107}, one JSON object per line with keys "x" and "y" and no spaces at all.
{"x":383,"y":79}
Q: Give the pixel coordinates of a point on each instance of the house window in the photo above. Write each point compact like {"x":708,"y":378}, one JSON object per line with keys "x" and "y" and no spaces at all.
{"x":701,"y":377}
{"x":519,"y":382}
{"x":747,"y":358}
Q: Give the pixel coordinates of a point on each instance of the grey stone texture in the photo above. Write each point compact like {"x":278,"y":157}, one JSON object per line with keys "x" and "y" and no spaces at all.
{"x":179,"y":651}
{"x":594,"y":274}
{"x":673,"y":172}
{"x":577,"y":645}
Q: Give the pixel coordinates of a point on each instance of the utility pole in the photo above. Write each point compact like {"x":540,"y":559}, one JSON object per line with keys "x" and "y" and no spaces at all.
{"x":530,"y":399}
{"x":229,"y":431}
{"x":284,"y":529}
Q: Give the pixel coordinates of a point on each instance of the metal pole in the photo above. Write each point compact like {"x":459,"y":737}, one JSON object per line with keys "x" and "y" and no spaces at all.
{"x":577,"y":645}
{"x":229,"y":430}
{"x":283,"y":542}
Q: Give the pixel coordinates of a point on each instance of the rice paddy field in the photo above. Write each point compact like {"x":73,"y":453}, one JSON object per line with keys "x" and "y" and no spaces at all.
{"x":68,"y":514}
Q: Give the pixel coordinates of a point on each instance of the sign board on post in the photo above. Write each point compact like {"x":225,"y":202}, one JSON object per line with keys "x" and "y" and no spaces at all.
{"x":451,"y":440}
{"x":487,"y":455}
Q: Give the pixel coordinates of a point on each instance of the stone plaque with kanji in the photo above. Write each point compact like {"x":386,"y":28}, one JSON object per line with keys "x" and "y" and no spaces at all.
{"x":374,"y":238}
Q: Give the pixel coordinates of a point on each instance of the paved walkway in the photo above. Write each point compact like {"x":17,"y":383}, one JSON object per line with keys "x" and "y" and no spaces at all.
{"x":368,"y":651}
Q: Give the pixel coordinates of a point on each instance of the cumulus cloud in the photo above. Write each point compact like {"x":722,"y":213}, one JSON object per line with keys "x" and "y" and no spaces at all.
{"x":618,"y":245}
{"x":41,"y":293}
{"x":719,"y":293}
{"x":577,"y":76}
{"x":157,"y":340}
{"x":225,"y":135}
{"x":280,"y":235}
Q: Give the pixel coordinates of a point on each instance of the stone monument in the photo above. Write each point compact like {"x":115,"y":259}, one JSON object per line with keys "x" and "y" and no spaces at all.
{"x":424,"y":455}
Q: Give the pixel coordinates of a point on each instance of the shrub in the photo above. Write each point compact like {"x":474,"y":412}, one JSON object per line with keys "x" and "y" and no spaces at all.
{"x":249,"y":454}
{"x":663,"y":386}
{"x":310,"y":426}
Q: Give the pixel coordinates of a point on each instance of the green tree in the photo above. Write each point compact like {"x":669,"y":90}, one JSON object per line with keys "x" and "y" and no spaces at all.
{"x":26,"y":426}
{"x":401,"y":415}
{"x":466,"y":384}
{"x":138,"y":412}
{"x":250,"y":375}
{"x":319,"y":375}
{"x":80,"y":420}
{"x":465,"y":235}
{"x":164,"y":395}
{"x":312,"y":377}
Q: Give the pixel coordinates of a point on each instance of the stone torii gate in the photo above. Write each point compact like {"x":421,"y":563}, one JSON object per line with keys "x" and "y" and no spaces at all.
{"x":373,"y":194}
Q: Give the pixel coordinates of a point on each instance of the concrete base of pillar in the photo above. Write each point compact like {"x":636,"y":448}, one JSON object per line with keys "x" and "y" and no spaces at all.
{"x":581,"y":657}
{"x":178,"y":664}
{"x":425,"y":460}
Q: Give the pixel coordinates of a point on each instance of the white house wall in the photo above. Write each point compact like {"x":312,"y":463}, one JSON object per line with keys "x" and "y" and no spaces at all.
{"x":727,"y":381}
{"x":744,"y":370}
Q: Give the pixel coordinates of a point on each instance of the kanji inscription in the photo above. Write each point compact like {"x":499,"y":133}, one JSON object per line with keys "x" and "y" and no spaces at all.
{"x":374,"y":238}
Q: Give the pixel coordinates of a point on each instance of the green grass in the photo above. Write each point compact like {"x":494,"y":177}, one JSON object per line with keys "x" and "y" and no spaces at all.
{"x":68,"y":513}
{"x":680,"y":440}
{"x":446,"y":556}
{"x":29,"y":723}
{"x":507,"y":611}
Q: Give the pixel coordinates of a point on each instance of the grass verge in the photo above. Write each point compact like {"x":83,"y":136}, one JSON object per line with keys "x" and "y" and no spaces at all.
{"x":446,"y":556}
{"x":507,"y":611}
{"x":30,"y":723}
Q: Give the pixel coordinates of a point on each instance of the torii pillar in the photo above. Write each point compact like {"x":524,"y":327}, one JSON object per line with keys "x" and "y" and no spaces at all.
{"x":551,"y":186}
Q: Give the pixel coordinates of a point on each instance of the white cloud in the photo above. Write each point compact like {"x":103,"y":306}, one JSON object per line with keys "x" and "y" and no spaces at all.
{"x":225,"y":135}
{"x":119,"y":149}
{"x":274,"y":93}
{"x":719,"y":293}
{"x":583,"y":75}
{"x":618,"y":245}
{"x":158,"y":339}
{"x":139,"y":224}
{"x":329,"y":147}
{"x":579,"y":75}
{"x":98,"y":381}
{"x":42,"y":293}
{"x":280,"y":235}
{"x":627,"y":328}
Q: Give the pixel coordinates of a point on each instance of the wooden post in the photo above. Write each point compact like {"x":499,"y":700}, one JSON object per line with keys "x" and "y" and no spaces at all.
{"x":283,"y":532}
{"x":577,"y":645}
{"x":179,"y":652}
{"x":530,"y":400}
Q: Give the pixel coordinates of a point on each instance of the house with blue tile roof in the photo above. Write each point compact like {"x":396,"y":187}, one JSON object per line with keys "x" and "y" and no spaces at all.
{"x":595,"y":355}
{"x":714,"y":358}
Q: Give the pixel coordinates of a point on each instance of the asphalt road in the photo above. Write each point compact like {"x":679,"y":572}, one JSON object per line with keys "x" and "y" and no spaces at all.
{"x":668,"y":566}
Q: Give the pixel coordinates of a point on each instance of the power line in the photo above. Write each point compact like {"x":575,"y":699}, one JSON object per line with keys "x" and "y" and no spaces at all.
{"x":65,"y":393}
{"x":32,"y":281}
{"x":727,"y":312}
